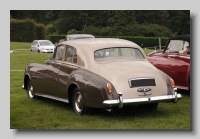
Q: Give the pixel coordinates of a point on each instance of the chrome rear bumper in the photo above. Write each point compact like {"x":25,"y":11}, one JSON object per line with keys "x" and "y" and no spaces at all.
{"x":120,"y":102}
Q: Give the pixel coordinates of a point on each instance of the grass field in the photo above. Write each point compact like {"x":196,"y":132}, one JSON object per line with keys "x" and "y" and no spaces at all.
{"x":50,"y":114}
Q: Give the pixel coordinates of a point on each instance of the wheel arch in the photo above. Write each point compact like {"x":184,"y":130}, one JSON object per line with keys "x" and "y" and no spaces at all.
{"x":26,"y":78}
{"x":70,"y":90}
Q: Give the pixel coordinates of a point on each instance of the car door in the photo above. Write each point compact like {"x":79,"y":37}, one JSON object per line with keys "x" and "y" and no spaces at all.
{"x":65,"y":70}
{"x":170,"y":65}
{"x":50,"y":73}
{"x":183,"y":69}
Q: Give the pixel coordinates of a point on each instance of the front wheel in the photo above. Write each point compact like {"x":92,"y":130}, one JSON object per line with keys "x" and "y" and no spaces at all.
{"x":30,"y":90}
{"x":77,"y":103}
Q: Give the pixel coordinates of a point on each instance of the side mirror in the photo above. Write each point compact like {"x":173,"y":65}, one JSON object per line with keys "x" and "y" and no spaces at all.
{"x":38,"y":45}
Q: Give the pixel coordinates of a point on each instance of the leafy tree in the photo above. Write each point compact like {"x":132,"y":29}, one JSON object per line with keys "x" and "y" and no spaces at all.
{"x":110,"y":22}
{"x":160,"y":17}
{"x":40,"y":16}
{"x":72,"y":31}
{"x":180,"y":21}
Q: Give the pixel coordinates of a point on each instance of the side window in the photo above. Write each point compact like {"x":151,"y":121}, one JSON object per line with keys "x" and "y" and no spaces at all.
{"x":34,"y":43}
{"x":59,"y":53}
{"x":71,"y":54}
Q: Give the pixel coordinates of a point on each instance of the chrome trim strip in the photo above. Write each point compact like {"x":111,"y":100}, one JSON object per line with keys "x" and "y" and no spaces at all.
{"x":167,"y":98}
{"x":120,"y":100}
{"x":141,"y":78}
{"x":184,"y":57}
{"x":52,"y":97}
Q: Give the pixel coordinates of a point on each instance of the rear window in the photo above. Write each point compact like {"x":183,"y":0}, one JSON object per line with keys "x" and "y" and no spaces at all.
{"x":116,"y":53}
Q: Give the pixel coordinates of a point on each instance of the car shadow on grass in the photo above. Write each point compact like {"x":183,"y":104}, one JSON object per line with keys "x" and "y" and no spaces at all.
{"x":126,"y":111}
{"x":130,"y":111}
{"x":184,"y":92}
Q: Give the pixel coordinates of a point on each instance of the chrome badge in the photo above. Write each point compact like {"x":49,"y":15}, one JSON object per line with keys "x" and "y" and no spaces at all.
{"x":144,"y":90}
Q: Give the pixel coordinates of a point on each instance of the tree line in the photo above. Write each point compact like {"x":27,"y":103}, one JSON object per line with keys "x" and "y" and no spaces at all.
{"x":150,"y":23}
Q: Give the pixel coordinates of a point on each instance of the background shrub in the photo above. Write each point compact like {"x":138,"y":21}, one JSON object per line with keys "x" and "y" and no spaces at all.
{"x":26,"y":30}
{"x":56,"y":38}
{"x":50,"y":29}
{"x":22,"y":30}
{"x":40,"y":32}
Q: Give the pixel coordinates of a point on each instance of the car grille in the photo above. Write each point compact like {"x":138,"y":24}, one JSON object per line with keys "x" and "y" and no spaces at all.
{"x":141,"y":82}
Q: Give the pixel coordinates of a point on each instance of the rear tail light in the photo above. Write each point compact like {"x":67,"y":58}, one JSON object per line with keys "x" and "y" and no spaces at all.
{"x":109,"y":86}
{"x":172,"y":82}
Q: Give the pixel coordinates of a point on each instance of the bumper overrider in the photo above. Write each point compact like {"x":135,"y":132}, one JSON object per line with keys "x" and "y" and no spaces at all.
{"x":120,"y":102}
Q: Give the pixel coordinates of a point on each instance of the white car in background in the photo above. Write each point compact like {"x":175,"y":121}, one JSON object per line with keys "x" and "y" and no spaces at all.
{"x":45,"y":46}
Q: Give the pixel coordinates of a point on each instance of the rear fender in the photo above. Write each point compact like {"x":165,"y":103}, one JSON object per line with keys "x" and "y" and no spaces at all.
{"x":92,"y":86}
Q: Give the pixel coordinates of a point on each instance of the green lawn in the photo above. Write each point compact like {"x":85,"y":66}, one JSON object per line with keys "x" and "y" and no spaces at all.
{"x":50,"y":114}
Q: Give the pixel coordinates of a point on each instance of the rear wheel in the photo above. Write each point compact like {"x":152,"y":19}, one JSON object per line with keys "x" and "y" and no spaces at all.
{"x":38,"y":51}
{"x":77,"y":103}
{"x":30,"y":90}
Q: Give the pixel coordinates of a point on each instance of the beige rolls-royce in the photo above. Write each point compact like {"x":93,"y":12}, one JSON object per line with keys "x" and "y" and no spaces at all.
{"x":105,"y":73}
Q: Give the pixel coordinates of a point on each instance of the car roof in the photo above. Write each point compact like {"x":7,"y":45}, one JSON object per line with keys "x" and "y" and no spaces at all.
{"x":43,"y":40}
{"x":78,"y":36}
{"x":93,"y":44}
{"x":87,"y":47}
{"x":185,"y":37}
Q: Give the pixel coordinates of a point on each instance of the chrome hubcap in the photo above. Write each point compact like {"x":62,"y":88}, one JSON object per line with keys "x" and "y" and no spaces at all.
{"x":30,"y":91}
{"x":78,"y":102}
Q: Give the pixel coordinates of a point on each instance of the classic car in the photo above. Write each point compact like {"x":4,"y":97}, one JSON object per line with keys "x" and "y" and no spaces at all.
{"x":42,"y":46}
{"x":174,"y":60}
{"x":61,"y":40}
{"x":104,"y":73}
{"x":76,"y":36}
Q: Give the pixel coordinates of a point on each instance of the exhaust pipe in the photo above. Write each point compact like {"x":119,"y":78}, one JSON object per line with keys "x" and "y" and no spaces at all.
{"x":109,"y":110}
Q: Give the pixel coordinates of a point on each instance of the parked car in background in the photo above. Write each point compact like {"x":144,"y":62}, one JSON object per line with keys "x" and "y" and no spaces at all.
{"x":61,"y":40}
{"x":175,"y":60}
{"x":76,"y":36}
{"x":104,"y":73}
{"x":45,"y":46}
